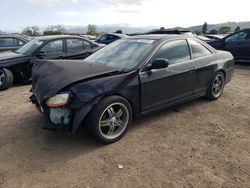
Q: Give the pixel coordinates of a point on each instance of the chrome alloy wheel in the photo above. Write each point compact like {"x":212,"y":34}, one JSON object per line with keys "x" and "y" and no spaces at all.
{"x":2,"y":77}
{"x":114,"y":120}
{"x":218,"y":85}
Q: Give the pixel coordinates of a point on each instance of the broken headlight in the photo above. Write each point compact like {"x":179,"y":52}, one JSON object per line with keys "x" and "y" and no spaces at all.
{"x":58,"y":100}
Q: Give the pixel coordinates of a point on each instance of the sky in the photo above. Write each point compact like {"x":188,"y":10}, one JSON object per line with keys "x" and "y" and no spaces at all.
{"x":17,"y":14}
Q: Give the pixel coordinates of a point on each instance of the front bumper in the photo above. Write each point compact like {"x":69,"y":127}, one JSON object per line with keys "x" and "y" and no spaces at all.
{"x":60,"y":118}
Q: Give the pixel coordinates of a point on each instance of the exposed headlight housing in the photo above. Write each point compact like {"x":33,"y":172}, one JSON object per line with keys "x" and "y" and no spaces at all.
{"x":58,"y":100}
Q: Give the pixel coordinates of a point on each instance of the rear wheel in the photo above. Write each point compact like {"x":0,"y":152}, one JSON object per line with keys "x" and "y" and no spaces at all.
{"x":6,"y":79}
{"x":216,"y":87}
{"x":110,"y":119}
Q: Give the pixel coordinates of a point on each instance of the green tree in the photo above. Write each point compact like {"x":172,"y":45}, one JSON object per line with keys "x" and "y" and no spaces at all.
{"x":54,"y":30}
{"x":224,"y":30}
{"x":213,"y":31}
{"x":237,"y":29}
{"x":92,"y":29}
{"x":31,"y":31}
{"x":204,"y":28}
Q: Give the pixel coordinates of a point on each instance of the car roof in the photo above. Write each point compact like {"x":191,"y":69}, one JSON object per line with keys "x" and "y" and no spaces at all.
{"x":52,"y":37}
{"x":121,"y":35}
{"x":160,"y":36}
{"x":14,"y":35}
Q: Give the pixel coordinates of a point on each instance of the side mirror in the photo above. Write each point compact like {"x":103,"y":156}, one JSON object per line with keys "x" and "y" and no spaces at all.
{"x":41,"y":54}
{"x":158,"y":63}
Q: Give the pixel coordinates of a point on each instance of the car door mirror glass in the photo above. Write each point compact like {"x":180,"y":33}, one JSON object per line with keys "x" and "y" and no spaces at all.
{"x":159,"y":63}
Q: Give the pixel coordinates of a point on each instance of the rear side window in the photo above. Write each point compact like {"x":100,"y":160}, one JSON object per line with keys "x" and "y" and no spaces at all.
{"x":197,"y":49}
{"x":74,"y":45}
{"x":8,"y":42}
{"x":174,"y":51}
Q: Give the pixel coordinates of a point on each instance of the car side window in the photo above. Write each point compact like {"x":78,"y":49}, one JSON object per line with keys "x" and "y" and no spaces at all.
{"x":237,"y":37}
{"x":8,"y":42}
{"x":20,"y":42}
{"x":75,"y":45}
{"x":197,"y":49}
{"x":112,"y":37}
{"x":103,"y":38}
{"x":54,"y":47}
{"x":86,"y":44}
{"x":174,"y":51}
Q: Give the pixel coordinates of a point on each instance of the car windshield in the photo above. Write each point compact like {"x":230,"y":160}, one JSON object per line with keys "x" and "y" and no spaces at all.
{"x":30,"y":47}
{"x":124,"y":54}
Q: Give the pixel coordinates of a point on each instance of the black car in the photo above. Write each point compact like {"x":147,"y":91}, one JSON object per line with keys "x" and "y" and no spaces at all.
{"x":237,"y":43}
{"x":214,"y":37}
{"x":10,"y":42}
{"x":17,"y":65}
{"x":126,"y":79}
{"x":109,"y":38}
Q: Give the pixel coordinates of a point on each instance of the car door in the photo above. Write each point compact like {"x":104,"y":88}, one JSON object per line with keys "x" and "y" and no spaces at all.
{"x":205,"y":67}
{"x":8,"y":44}
{"x":77,"y":48}
{"x":169,"y":85}
{"x":238,"y":44}
{"x":53,"y":49}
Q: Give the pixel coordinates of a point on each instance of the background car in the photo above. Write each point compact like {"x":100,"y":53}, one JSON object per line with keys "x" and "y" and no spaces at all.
{"x":9,"y":42}
{"x":119,"y":82}
{"x":237,"y":43}
{"x":171,"y":31}
{"x":89,"y":37}
{"x":109,"y":38}
{"x":215,"y":37}
{"x":17,"y":65}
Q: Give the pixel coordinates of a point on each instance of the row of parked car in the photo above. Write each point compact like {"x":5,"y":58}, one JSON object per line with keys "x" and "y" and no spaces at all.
{"x":116,"y":83}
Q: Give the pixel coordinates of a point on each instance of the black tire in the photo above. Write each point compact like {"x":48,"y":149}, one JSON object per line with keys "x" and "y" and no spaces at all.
{"x":214,"y":93}
{"x":6,"y":79}
{"x":101,"y":113}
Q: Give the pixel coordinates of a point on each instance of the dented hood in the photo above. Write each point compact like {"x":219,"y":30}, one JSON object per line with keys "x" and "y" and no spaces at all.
{"x":51,"y":76}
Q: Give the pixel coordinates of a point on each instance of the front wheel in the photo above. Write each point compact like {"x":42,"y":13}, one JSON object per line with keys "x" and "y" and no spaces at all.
{"x":216,"y":87}
{"x":6,"y":79}
{"x":110,"y":119}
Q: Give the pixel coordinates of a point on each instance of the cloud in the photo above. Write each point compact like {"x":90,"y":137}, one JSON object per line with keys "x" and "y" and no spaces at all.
{"x":128,"y":11}
{"x":67,"y":13}
{"x":52,"y":2}
{"x":124,"y":2}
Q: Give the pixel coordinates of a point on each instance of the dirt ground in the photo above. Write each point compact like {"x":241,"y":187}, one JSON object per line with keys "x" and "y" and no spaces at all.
{"x":201,"y":144}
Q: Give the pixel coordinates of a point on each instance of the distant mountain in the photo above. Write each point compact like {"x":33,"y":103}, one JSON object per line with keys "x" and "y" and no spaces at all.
{"x":128,"y":29}
{"x":109,"y":29}
{"x":233,"y":25}
{"x":131,"y":29}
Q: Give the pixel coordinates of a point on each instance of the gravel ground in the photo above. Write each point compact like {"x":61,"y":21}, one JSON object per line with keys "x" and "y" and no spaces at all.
{"x":200,"y":144}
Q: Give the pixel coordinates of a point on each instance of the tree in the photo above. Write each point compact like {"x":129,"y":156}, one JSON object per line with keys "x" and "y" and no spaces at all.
{"x":213,"y":31}
{"x":54,"y":30}
{"x":197,"y":32}
{"x":224,"y":30}
{"x":31,"y":31}
{"x":92,"y":29}
{"x":204,"y":28}
{"x":237,"y":29}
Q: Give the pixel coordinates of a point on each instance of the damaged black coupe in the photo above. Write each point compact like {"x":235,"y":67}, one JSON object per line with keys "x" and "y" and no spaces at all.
{"x":16,"y":66}
{"x":126,"y":79}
